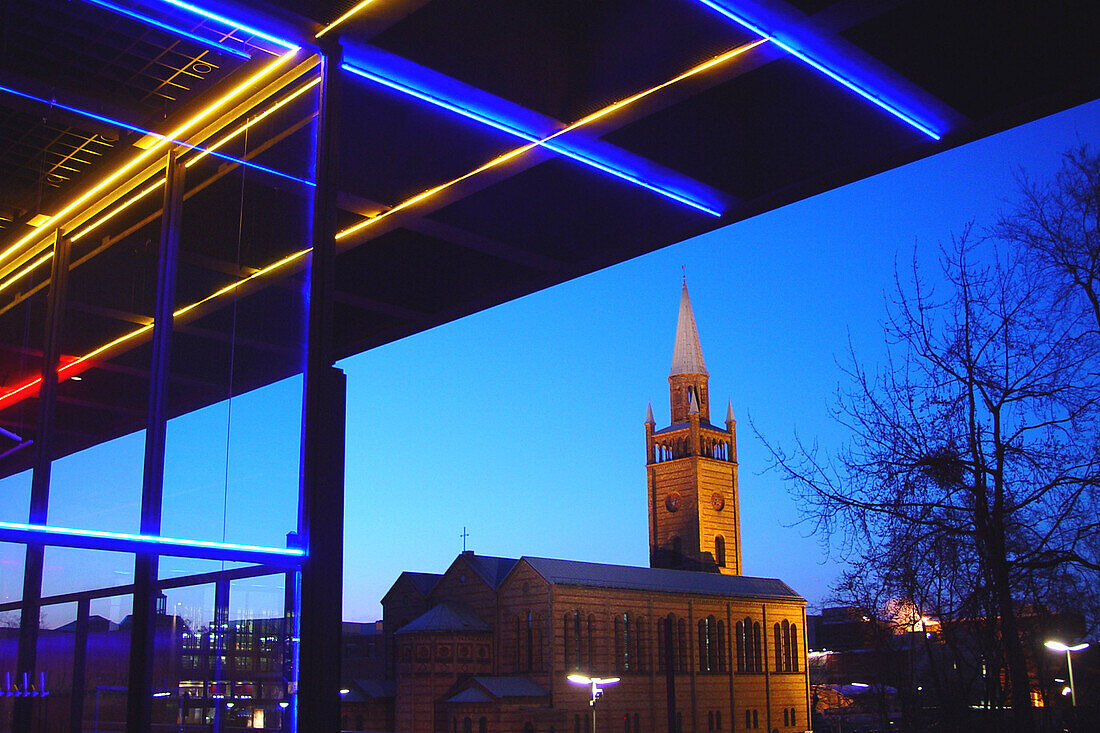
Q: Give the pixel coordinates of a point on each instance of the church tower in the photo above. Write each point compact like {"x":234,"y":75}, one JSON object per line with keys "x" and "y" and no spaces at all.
{"x":691,"y":468}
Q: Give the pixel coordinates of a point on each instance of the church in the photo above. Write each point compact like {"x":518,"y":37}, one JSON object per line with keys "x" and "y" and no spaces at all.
{"x":697,"y":646}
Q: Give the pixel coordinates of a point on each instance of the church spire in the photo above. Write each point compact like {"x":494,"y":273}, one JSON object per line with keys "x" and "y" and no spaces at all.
{"x":687,"y":380}
{"x":687,"y":354}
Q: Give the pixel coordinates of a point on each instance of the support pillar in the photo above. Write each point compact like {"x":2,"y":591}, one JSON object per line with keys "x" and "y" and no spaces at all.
{"x":321,"y":487}
{"x":80,"y":662}
{"x":23,"y":711}
{"x":139,"y":694}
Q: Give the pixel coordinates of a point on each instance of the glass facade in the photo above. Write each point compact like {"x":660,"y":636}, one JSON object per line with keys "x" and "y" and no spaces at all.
{"x":155,"y":352}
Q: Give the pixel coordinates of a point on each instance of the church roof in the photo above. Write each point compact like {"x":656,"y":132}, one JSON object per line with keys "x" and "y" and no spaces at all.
{"x":446,"y":616}
{"x":423,"y":582}
{"x":598,"y":575}
{"x":493,"y":570}
{"x":488,"y":689}
{"x":687,"y":354}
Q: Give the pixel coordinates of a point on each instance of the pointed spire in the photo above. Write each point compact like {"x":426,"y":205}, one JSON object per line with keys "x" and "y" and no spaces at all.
{"x":687,"y":354}
{"x":693,"y":405}
{"x":649,"y":414}
{"x":729,"y":413}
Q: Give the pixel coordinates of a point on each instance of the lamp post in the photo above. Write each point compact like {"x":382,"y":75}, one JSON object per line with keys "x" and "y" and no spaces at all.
{"x":1060,"y":647}
{"x":596,"y":685}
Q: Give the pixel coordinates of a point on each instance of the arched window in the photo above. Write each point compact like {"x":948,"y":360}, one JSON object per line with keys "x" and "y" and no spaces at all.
{"x":482,"y":725}
{"x":617,"y":623}
{"x":710,"y":720}
{"x":528,"y":727}
{"x":640,"y":656}
{"x":778,"y":649}
{"x":467,"y":725}
{"x":739,"y":640}
{"x":786,"y":638}
{"x":660,"y":645}
{"x":682,"y":646}
{"x":536,"y":641}
{"x":786,"y":717}
{"x":677,"y":550}
{"x":576,"y":724}
{"x":748,"y":718}
{"x":592,"y":635}
{"x":568,"y":645}
{"x":718,"y":720}
{"x":721,"y":650}
{"x":703,"y":638}
{"x":757,"y":648}
{"x":627,"y":651}
{"x":720,"y":551}
{"x":794,"y":652}
{"x":517,"y":657}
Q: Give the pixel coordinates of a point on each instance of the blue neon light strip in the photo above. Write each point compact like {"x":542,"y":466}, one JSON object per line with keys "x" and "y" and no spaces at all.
{"x":170,"y":28}
{"x":142,"y":130}
{"x":231,"y":23}
{"x":127,"y":542}
{"x":524,"y":135}
{"x":851,"y":85}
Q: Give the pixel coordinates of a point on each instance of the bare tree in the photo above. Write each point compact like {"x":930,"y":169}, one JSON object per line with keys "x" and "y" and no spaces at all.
{"x":1057,"y":225}
{"x":969,"y":484}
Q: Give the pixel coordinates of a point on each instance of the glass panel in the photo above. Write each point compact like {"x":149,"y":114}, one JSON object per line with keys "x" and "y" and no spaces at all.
{"x":107,"y":666}
{"x":68,"y":570}
{"x":238,"y":337}
{"x":56,"y":639}
{"x":184,"y":661}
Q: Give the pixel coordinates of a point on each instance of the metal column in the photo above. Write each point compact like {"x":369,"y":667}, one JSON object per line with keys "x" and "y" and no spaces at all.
{"x":139,"y":696}
{"x":321,"y":485}
{"x":23,"y":713}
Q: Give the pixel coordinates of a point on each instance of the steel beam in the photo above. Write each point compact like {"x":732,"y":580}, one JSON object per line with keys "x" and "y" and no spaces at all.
{"x":321,"y":485}
{"x":23,"y":712}
{"x":139,"y":695}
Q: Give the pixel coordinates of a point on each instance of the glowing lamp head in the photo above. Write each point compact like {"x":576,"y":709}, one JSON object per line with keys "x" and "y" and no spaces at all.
{"x":1060,"y":647}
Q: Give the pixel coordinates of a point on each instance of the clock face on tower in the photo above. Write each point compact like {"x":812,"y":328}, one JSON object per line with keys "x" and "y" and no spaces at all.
{"x":717,"y":501}
{"x":672,"y":501}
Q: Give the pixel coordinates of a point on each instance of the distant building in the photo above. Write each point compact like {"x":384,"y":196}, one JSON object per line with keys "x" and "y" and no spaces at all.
{"x":488,"y":644}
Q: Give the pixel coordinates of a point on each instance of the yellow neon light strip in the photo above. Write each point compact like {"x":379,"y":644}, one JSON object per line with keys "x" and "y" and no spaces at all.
{"x":343,"y":17}
{"x":569,"y":128}
{"x":71,"y":368}
{"x":119,"y":208}
{"x":170,"y":137}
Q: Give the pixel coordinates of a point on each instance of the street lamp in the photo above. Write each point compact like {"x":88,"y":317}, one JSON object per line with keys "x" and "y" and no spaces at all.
{"x":1060,"y":647}
{"x":596,"y":685}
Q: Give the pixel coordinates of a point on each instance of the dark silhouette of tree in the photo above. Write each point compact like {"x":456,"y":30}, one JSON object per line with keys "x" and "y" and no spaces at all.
{"x":969,"y":484}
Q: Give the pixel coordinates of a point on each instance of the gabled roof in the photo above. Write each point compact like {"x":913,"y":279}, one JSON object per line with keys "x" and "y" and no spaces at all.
{"x":492,"y":570}
{"x":598,"y":575}
{"x":488,"y":689}
{"x":446,"y":616}
{"x":422,"y":583}
{"x":362,"y":690}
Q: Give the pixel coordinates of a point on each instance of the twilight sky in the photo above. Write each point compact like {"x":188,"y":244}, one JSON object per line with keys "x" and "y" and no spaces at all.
{"x":524,"y":423}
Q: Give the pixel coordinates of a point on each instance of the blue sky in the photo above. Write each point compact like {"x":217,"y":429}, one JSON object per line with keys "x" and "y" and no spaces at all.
{"x":524,"y":423}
